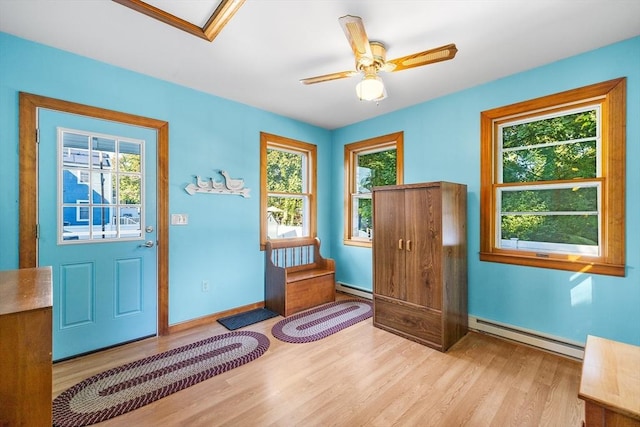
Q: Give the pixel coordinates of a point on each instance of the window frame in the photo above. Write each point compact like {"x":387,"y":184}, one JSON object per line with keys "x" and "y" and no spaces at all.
{"x":270,"y":141}
{"x":351,"y":152}
{"x":611,"y":98}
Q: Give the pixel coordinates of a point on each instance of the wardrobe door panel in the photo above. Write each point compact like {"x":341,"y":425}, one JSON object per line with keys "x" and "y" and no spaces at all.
{"x":388,"y":249}
{"x":423,"y":254}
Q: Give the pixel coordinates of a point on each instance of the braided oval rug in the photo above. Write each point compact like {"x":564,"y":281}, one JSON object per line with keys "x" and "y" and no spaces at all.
{"x":320,"y":322}
{"x":128,"y":387}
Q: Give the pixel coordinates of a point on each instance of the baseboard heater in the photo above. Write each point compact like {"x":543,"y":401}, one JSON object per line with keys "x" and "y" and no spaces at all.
{"x":529,"y":337}
{"x":353,"y":291}
{"x":503,"y":330}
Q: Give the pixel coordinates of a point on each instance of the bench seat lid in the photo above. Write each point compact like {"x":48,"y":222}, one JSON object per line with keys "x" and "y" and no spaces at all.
{"x":295,"y":276}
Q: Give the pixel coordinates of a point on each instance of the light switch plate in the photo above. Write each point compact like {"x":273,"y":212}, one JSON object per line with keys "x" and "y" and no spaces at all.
{"x":179,"y":219}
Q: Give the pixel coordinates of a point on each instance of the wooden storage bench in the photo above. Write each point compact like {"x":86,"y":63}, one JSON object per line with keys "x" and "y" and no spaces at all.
{"x":297,"y":277}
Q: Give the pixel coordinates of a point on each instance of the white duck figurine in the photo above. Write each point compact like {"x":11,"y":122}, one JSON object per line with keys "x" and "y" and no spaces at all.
{"x":216,"y":185}
{"x":232,"y":184}
{"x":201,"y":183}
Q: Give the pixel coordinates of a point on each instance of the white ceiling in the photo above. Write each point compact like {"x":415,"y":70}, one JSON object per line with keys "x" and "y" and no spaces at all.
{"x":269,"y":45}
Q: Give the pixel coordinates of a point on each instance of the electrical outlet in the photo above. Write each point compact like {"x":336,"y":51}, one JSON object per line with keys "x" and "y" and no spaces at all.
{"x":205,"y":286}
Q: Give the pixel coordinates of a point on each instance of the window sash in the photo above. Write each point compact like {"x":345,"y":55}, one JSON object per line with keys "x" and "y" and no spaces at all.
{"x":357,"y":233}
{"x":505,"y":123}
{"x":517,"y":244}
{"x":304,"y":168}
{"x":356,"y":169}
{"x":297,"y":228}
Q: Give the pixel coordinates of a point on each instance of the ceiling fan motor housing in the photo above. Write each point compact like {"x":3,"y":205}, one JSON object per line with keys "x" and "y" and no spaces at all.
{"x":379,"y":54}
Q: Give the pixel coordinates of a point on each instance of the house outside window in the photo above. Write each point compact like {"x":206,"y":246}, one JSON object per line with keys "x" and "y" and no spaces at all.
{"x":288,"y":184}
{"x":552,"y":173}
{"x":82,"y":212}
{"x":369,"y":163}
{"x":83,"y":177}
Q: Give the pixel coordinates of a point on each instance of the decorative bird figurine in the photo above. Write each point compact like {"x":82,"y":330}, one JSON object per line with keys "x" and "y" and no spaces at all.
{"x":216,"y":185}
{"x":231,"y":183}
{"x":201,"y":183}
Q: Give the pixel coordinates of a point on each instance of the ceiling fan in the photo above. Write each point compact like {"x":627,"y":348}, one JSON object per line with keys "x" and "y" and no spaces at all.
{"x":371,"y":58}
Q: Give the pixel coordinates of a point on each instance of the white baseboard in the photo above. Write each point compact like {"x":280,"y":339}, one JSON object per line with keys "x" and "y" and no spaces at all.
{"x":341,"y":287}
{"x":529,"y":337}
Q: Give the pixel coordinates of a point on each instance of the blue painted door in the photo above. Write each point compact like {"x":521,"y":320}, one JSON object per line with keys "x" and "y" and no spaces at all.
{"x":97,"y":229}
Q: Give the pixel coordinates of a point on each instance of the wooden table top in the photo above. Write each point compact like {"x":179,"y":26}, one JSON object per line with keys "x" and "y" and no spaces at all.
{"x":25,"y":289}
{"x":611,"y":376}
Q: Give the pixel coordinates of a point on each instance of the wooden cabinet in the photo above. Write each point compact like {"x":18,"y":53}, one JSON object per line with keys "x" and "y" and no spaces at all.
{"x":610,"y":383}
{"x":420,"y":262}
{"x":25,"y":344}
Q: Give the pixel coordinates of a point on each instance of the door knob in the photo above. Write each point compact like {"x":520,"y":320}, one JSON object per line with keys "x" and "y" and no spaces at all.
{"x":147,"y":244}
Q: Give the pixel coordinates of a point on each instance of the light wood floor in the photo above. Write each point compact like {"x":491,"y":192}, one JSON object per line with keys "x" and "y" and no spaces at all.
{"x":361,"y":376}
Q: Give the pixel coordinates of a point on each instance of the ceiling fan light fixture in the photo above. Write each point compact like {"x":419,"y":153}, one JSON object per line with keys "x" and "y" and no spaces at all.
{"x":371,"y":88}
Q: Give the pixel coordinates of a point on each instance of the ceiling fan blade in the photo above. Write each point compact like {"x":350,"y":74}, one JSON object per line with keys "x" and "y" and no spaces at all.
{"x":328,"y":77}
{"x":442,"y":53}
{"x":354,"y":30}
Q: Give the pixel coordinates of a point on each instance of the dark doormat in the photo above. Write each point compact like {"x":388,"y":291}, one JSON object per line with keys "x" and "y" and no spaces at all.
{"x":247,"y":318}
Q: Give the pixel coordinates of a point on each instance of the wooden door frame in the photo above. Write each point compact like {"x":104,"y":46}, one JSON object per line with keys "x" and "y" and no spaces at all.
{"x":28,"y":186}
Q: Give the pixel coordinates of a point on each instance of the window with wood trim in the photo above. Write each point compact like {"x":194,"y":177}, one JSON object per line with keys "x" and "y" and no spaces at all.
{"x":553,"y":181}
{"x":288,"y":188}
{"x":367,"y":164}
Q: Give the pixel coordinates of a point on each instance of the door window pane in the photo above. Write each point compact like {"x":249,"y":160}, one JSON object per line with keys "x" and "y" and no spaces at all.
{"x":100,"y":186}
{"x":129,"y":157}
{"x":130,"y":189}
{"x":75,"y":150}
{"x":128,"y":218}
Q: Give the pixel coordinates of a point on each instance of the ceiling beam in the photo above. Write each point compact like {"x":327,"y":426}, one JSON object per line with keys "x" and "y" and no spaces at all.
{"x":220,"y":17}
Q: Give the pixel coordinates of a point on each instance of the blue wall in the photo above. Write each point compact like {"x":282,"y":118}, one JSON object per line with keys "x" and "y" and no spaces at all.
{"x":221,"y":243}
{"x":442,"y":142}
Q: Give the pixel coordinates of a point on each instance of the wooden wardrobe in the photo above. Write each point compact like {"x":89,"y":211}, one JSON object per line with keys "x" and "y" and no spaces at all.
{"x":420,"y":262}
